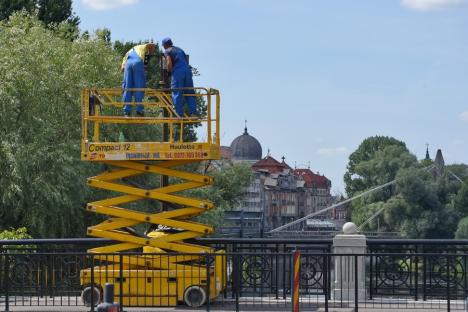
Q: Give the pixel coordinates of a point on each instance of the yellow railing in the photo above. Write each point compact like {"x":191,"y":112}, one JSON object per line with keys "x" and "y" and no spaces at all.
{"x":105,"y":106}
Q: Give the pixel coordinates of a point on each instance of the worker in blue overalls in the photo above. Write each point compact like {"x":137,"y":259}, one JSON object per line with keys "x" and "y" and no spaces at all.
{"x":181,"y":78}
{"x":134,"y":76}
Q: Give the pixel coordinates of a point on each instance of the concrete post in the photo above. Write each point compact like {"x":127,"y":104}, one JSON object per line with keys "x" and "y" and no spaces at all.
{"x":346,"y":279}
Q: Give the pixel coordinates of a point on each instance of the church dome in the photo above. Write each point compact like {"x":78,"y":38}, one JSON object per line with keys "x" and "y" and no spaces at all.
{"x":246,"y":147}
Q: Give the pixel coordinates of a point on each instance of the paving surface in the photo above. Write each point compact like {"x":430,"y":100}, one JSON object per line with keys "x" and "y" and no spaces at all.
{"x":228,"y":306}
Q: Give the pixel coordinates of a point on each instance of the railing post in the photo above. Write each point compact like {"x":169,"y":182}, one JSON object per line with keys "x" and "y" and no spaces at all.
{"x":371,"y":263}
{"x":208,"y":280}
{"x":237,"y":277}
{"x":448,"y":283}
{"x":121,"y":283}
{"x":356,"y":284}
{"x":416,"y":279}
{"x":6,"y":276}
{"x":284,"y":272}
{"x":92,"y":283}
{"x":424,"y":277}
{"x":350,"y":243}
{"x":326,"y":281}
{"x":276,"y":271}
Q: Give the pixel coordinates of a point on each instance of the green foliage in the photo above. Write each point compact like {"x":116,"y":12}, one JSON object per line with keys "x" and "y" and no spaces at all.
{"x":103,"y":34}
{"x":462,"y":229}
{"x":460,"y":201}
{"x":378,"y":168}
{"x":357,"y":178}
{"x":48,"y":11}
{"x":56,"y":11}
{"x":20,"y":233}
{"x":419,"y":205}
{"x":56,"y":14}
{"x":425,"y":214}
{"x":42,"y":185}
{"x":8,"y":7}
{"x":229,"y":185}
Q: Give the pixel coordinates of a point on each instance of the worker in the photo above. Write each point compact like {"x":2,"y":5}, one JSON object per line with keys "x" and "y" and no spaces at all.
{"x":134,"y":76}
{"x":181,"y":78}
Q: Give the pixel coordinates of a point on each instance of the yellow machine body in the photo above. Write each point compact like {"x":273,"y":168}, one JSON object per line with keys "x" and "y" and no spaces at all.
{"x":160,"y":268}
{"x":152,"y":287}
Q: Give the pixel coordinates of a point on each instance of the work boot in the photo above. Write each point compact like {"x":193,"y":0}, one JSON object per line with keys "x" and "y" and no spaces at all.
{"x":126,"y":115}
{"x":140,"y":114}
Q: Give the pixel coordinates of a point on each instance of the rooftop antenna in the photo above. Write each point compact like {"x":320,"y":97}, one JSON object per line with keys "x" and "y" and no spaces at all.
{"x":308,"y":165}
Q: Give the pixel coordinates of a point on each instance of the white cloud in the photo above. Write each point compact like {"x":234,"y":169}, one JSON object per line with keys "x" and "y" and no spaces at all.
{"x":101,"y":5}
{"x":464,"y":116}
{"x":426,"y":5}
{"x":332,"y":151}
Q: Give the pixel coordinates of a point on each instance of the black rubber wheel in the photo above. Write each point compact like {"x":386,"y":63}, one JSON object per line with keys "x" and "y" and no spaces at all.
{"x":86,"y":296}
{"x":195,"y":296}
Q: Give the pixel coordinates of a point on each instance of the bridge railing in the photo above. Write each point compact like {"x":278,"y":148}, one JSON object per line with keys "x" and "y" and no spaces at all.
{"x":397,"y":274}
{"x":253,"y":281}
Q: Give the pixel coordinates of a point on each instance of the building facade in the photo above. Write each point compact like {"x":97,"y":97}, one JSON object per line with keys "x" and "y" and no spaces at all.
{"x":278,"y":194}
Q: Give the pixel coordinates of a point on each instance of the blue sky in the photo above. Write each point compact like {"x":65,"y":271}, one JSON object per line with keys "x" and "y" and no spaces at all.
{"x":314,"y":78}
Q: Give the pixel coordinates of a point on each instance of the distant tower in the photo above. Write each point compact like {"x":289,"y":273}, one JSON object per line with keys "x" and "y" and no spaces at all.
{"x":439,"y":164}
{"x":427,"y":152}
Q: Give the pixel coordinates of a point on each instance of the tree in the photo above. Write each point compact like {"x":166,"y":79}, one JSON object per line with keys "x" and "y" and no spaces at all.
{"x":8,"y":7}
{"x":48,"y":11}
{"x":462,"y":229}
{"x":356,"y":178}
{"x":379,"y":168}
{"x":56,"y":11}
{"x":229,"y":187}
{"x":103,"y":34}
{"x":20,"y":233}
{"x":425,"y":215}
{"x":418,"y":205}
{"x":42,"y":185}
{"x":56,"y":14}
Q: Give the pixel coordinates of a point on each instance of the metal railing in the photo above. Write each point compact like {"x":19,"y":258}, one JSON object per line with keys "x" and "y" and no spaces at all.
{"x":397,"y":274}
{"x":252,"y":280}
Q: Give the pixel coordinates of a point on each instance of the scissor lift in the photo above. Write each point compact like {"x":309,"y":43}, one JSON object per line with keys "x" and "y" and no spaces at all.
{"x":159,"y":268}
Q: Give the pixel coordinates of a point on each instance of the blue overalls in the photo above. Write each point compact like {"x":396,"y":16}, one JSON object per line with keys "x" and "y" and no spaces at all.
{"x":181,"y":78}
{"x":134,"y":77}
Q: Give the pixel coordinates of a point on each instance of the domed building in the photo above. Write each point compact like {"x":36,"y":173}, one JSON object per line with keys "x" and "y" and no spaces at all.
{"x":245,"y":148}
{"x":277,"y":194}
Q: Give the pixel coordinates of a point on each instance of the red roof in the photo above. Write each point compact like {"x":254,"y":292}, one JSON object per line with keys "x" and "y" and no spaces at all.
{"x":312,"y":179}
{"x":270,"y":164}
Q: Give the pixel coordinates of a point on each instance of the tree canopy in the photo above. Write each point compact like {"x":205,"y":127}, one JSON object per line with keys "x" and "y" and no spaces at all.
{"x":43,"y":182}
{"x":42,"y":185}
{"x":48,"y":11}
{"x":419,"y":205}
{"x":358,"y":177}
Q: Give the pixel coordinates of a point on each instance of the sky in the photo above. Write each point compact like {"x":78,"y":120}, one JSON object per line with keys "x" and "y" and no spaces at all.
{"x":315,"y":78}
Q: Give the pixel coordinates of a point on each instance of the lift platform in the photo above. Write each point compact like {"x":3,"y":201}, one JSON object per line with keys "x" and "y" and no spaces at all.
{"x":159,"y":268}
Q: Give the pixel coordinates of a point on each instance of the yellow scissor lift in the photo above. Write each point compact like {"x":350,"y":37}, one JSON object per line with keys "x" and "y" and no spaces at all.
{"x":157,"y":269}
